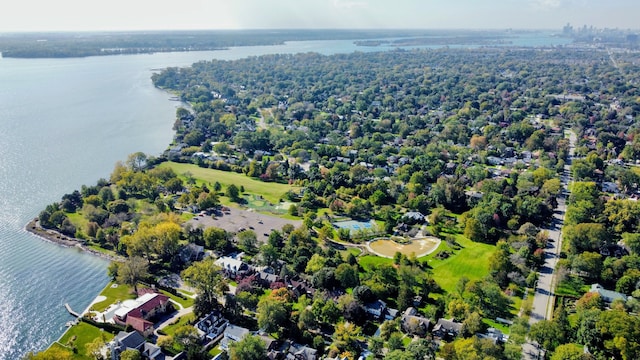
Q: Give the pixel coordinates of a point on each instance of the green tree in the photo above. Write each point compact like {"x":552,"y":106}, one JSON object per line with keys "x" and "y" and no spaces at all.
{"x":273,"y":314}
{"x":248,"y":241}
{"x":233,"y":193}
{"x":568,"y":352}
{"x":250,"y":347}
{"x":130,"y":354}
{"x":216,"y":238}
{"x":347,"y":275}
{"x":132,"y":270}
{"x":205,"y":277}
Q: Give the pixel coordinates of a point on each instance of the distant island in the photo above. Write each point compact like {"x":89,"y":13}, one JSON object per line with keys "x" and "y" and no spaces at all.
{"x":63,"y":44}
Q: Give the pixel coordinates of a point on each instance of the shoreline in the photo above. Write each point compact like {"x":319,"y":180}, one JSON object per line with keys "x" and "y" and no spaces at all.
{"x":33,"y":227}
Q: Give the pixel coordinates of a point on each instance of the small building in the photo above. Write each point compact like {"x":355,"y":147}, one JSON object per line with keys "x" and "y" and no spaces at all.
{"x":494,"y":335}
{"x":608,"y":296}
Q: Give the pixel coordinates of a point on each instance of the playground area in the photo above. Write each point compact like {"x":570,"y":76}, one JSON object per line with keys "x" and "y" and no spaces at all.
{"x":418,"y":246}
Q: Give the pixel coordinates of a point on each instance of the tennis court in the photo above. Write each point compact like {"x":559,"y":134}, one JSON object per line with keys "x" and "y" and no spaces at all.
{"x":355,"y":226}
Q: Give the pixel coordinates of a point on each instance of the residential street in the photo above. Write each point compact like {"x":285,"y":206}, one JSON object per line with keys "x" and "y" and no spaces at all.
{"x":544,"y":297}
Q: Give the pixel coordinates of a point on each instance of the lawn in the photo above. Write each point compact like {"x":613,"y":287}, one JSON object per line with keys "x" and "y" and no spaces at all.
{"x":113,"y":294}
{"x":81,"y":334}
{"x":471,"y":261}
{"x":188,"y":302}
{"x":370,"y":261}
{"x":183,"y":320}
{"x":272,"y":192}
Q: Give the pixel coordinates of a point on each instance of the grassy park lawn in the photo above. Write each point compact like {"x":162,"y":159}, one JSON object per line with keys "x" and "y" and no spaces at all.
{"x":272,"y":192}
{"x":471,"y":261}
{"x":81,"y":334}
{"x":113,"y":294}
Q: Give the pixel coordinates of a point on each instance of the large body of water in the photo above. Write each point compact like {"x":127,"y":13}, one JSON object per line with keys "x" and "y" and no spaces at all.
{"x":65,"y":123}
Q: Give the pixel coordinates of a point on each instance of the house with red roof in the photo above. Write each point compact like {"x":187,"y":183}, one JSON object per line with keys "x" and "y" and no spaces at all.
{"x":140,"y":313}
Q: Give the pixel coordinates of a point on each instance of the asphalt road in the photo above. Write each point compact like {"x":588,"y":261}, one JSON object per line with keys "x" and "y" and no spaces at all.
{"x":543,"y":299}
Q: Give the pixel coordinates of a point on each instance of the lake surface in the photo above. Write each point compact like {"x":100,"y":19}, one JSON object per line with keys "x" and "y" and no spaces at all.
{"x":65,"y":123}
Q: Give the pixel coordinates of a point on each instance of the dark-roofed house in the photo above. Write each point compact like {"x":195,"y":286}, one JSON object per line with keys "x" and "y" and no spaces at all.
{"x":414,"y":324}
{"x":379,"y":310}
{"x":301,"y":352}
{"x":124,"y":341}
{"x":211,"y":326}
{"x":446,"y":329}
{"x":608,"y":296}
{"x":135,"y":341}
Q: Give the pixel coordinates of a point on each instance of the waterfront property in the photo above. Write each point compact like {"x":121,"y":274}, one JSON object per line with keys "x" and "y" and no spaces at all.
{"x":138,"y":313}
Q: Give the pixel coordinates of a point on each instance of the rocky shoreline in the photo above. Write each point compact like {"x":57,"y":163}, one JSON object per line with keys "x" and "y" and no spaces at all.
{"x":60,"y":239}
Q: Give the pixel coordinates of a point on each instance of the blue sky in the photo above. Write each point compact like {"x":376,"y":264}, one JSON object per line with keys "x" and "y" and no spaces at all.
{"x":43,"y":15}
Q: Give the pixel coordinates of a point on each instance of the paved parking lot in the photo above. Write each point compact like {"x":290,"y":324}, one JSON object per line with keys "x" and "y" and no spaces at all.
{"x":235,"y":220}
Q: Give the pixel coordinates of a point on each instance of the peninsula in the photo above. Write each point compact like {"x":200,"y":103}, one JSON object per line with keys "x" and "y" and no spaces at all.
{"x":258,"y":232}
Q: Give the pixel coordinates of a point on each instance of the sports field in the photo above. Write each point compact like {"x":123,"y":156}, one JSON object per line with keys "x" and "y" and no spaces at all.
{"x":354,"y":225}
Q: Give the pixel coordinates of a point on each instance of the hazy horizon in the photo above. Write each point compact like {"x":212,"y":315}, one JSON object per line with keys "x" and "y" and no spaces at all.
{"x":164,"y":15}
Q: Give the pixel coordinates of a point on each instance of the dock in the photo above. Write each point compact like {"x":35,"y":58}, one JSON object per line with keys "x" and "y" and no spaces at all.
{"x":70,"y":310}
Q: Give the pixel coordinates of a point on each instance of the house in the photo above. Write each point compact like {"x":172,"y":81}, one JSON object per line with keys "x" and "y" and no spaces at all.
{"x":494,"y":335}
{"x":446,"y":328}
{"x":379,"y":310}
{"x":414,"y":324}
{"x":211,"y":326}
{"x":125,"y":341}
{"x":608,"y":296}
{"x":266,"y":279}
{"x":413,"y":217}
{"x":192,"y":252}
{"x":301,"y":352}
{"x":138,"y":313}
{"x":232,"y":333}
{"x":232,"y":266}
{"x":135,"y":341}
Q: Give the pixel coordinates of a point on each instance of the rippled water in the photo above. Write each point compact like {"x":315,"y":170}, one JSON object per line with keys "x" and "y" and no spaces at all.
{"x":64,"y":123}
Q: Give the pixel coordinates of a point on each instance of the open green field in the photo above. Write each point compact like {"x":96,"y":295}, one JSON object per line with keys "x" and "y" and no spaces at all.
{"x":471,"y":261}
{"x":272,"y":192}
{"x":81,"y":334}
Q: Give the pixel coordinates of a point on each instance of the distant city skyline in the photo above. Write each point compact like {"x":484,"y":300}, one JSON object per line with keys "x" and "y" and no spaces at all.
{"x":82,"y":15}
